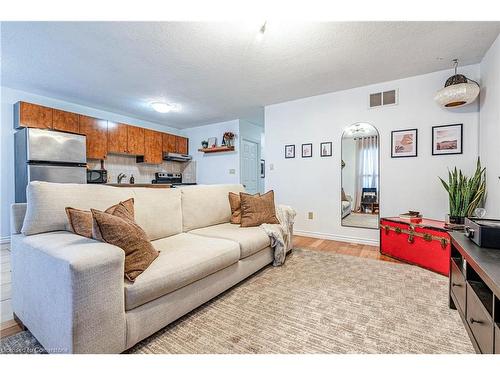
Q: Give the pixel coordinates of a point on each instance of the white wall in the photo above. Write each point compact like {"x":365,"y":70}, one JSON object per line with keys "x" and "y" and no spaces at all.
{"x":490,"y":126}
{"x":313,"y":184}
{"x":8,"y":98}
{"x":215,"y":168}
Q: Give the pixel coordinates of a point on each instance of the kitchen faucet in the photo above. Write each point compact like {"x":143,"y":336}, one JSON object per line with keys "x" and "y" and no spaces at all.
{"x":120,"y":177}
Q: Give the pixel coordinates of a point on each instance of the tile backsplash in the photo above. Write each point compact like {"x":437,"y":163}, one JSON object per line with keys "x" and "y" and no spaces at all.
{"x":143,"y":173}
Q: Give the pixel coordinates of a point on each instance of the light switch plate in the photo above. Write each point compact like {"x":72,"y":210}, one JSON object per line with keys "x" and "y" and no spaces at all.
{"x":232,"y":171}
{"x":271,"y":167}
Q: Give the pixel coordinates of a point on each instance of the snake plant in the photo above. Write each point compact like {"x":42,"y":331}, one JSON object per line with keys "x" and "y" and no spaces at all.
{"x":465,"y":193}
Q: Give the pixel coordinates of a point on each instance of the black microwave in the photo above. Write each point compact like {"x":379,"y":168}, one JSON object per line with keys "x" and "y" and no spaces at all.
{"x":97,"y":176}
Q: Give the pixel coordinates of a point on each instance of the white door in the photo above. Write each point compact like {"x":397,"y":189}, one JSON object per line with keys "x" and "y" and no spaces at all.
{"x":250,"y":166}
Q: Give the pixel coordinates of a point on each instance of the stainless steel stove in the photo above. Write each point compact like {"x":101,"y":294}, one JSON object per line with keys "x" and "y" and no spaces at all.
{"x":174,"y":179}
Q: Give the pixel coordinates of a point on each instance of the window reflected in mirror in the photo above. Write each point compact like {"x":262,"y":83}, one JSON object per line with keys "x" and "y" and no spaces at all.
{"x":360,"y":176}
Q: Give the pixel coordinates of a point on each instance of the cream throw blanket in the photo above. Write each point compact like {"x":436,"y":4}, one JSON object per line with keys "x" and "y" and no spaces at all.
{"x":281,"y":234}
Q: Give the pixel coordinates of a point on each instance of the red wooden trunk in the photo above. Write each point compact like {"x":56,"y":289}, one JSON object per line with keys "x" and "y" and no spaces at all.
{"x":425,"y":243}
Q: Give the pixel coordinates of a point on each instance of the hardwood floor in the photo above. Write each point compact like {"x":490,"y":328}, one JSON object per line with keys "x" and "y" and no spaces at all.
{"x":10,"y":327}
{"x":362,"y":251}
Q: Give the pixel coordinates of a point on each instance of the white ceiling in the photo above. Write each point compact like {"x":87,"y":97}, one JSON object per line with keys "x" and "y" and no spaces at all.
{"x":220,"y":71}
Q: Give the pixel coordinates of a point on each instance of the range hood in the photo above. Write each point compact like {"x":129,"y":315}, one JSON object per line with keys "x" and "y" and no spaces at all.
{"x":172,"y":156}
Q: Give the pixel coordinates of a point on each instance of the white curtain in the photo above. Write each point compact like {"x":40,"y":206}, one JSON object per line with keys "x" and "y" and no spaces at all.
{"x":366,"y":166}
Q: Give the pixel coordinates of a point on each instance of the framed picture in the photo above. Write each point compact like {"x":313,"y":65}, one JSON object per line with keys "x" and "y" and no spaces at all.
{"x":404,"y":143}
{"x":262,"y":168}
{"x":326,"y":149}
{"x":447,"y":139}
{"x":289,"y":151}
{"x":307,"y":150}
{"x":212,"y":142}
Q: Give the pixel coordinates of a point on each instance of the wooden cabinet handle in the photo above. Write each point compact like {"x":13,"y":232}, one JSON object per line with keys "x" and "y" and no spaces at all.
{"x":472,"y":321}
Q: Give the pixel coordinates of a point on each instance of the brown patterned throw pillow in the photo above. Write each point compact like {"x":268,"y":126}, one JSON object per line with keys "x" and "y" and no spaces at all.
{"x":235,"y":203}
{"x":80,"y":221}
{"x":257,"y":210}
{"x":127,"y":235}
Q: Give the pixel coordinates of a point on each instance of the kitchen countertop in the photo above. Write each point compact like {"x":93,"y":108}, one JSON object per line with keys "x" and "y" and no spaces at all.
{"x":140,"y":185}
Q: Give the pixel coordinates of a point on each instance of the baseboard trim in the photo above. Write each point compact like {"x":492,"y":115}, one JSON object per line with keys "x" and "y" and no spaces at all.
{"x":336,"y":237}
{"x":5,"y":240}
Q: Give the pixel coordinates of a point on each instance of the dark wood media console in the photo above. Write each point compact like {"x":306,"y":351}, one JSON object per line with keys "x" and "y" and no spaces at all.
{"x":475,"y":291}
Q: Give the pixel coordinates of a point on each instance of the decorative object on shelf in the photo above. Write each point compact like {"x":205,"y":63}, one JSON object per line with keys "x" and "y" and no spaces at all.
{"x":204,"y":144}
{"x":132,"y":179}
{"x":458,"y":90}
{"x":404,"y":143}
{"x":289,"y":151}
{"x":307,"y":150}
{"x":465,"y":194}
{"x":413,"y":216}
{"x":326,"y":149}
{"x":227,"y":139}
{"x":262,"y":168}
{"x":447,"y":139}
{"x":212,"y":142}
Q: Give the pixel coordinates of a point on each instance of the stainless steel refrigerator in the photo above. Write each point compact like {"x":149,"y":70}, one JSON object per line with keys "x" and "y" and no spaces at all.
{"x":47,"y":155}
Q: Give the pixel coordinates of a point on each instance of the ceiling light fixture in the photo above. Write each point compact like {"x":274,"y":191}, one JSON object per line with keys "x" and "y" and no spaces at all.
{"x":162,"y":107}
{"x":458,"y":90}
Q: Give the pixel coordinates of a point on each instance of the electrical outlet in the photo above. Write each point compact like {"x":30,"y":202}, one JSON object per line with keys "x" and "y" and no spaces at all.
{"x":310,"y":215}
{"x":232,"y":171}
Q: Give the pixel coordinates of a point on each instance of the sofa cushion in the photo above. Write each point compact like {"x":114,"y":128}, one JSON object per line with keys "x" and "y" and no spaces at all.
{"x":120,"y":229}
{"x":251,"y":239}
{"x":184,"y":258}
{"x":158,"y":211}
{"x":45,"y":211}
{"x":80,"y":221}
{"x":205,"y":205}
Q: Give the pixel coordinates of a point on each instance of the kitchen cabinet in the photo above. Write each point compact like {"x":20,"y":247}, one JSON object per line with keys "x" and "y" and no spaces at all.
{"x":135,"y":140}
{"x":96,"y":131}
{"x":117,"y":138}
{"x":169,"y":143}
{"x":174,"y":143}
{"x":153,"y":150}
{"x":182,"y":145}
{"x":32,"y":116}
{"x":65,"y":121}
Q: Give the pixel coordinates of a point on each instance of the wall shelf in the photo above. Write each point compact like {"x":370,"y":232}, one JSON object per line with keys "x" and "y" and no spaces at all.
{"x":217,"y":149}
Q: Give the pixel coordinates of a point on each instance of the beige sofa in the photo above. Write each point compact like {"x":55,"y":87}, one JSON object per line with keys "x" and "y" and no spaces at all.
{"x":69,"y":291}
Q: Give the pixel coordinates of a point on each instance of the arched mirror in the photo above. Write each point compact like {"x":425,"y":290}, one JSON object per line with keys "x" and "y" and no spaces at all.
{"x":360,"y":193}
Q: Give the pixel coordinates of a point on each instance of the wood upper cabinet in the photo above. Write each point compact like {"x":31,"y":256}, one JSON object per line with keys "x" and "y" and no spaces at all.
{"x":117,"y":138}
{"x":65,"y":121}
{"x":96,"y":131}
{"x":153,"y":150}
{"x":32,"y":116}
{"x":174,"y":143}
{"x":169,"y":143}
{"x":135,"y":140}
{"x":181,"y":145}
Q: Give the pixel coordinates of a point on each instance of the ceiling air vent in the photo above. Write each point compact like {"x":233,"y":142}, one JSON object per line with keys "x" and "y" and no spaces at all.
{"x":380,"y":99}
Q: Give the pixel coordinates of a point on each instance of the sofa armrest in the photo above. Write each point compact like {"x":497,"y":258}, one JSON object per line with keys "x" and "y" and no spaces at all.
{"x":68,"y":291}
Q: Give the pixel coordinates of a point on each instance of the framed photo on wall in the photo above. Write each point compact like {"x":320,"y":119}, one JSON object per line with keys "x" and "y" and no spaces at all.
{"x":447,"y":139}
{"x":289,"y":151}
{"x":404,"y":143}
{"x":307,"y":150}
{"x":325,"y":149}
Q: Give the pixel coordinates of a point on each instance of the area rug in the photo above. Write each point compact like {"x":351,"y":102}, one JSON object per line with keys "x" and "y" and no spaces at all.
{"x":316,"y":303}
